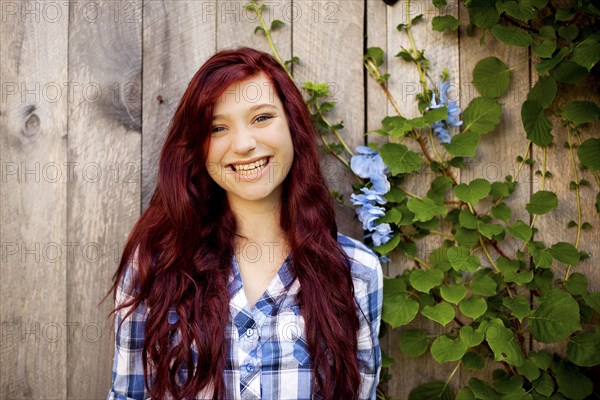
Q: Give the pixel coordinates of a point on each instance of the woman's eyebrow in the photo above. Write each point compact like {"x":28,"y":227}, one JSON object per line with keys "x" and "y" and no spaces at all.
{"x":250,"y":110}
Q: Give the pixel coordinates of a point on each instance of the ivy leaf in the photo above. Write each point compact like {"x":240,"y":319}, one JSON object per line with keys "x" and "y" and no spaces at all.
{"x":413,"y":342}
{"x":519,"y":306}
{"x":568,"y":32}
{"x":400,"y":159}
{"x":581,"y":112}
{"x":442,"y":313}
{"x":425,"y":209}
{"x":555,"y":317}
{"x":396,"y":125}
{"x":571,"y":382}
{"x":464,"y":144}
{"x":569,"y":72}
{"x":461,"y":259}
{"x":544,"y":49}
{"x":542,"y":359}
{"x":577,"y":284}
{"x":502,"y":342}
{"x":440,"y":3}
{"x":546,"y":65}
{"x":276,"y":23}
{"x":544,"y":385}
{"x":491,"y":77}
{"x":587,"y":53}
{"x":523,"y":10}
{"x":433,"y":390}
{"x":482,"y":115}
{"x":453,"y":293}
{"x":529,"y":370}
{"x":443,"y":22}
{"x":425,"y":280}
{"x":510,"y":271}
{"x":544,"y":91}
{"x":393,"y":216}
{"x":512,"y":36}
{"x":388,"y":246}
{"x":565,"y":253}
{"x":541,"y":256}
{"x":582,"y":349}
{"x":376,"y":54}
{"x":502,"y":212}
{"x":473,"y":361}
{"x":399,"y":308}
{"x":471,"y":337}
{"x":499,"y":190}
{"x":536,"y":124}
{"x":439,"y":187}
{"x":444,"y":349}
{"x":489,"y":230}
{"x":481,"y":390}
{"x":482,"y":283}
{"x":473,"y":307}
{"x":589,"y":152}
{"x":476,"y":190}
{"x":467,"y":220}
{"x":483,"y":13}
{"x":541,"y":202}
{"x":520,"y":230}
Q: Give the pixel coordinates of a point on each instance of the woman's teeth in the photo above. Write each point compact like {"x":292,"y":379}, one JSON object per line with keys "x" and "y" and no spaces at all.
{"x":250,"y":168}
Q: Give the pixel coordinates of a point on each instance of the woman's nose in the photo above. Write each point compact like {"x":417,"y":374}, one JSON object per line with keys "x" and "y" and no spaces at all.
{"x":244,"y":141}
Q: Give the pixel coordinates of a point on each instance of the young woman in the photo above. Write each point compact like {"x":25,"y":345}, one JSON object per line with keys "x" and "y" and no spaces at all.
{"x":234,"y":283}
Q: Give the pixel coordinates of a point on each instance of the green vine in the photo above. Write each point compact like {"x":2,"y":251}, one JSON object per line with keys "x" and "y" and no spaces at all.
{"x":489,"y":299}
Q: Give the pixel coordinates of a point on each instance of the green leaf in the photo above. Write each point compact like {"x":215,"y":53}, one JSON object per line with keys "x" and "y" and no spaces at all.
{"x":584,"y":349}
{"x":503,"y":343}
{"x":482,"y":284}
{"x":399,"y":308}
{"x":511,"y":273}
{"x":541,"y":256}
{"x":443,"y":22}
{"x":467,"y":220}
{"x":440,"y":3}
{"x":473,"y":307}
{"x":396,"y":126}
{"x":542,"y":359}
{"x":564,"y":14}
{"x":386,"y":361}
{"x":433,"y":390}
{"x":555,"y":317}
{"x":544,"y":49}
{"x":442,"y":313}
{"x":569,"y":72}
{"x":571,"y":382}
{"x":276,"y":23}
{"x":463,"y":144}
{"x":393,"y":216}
{"x":466,"y":238}
{"x":439,"y":188}
{"x":502,"y":212}
{"x":523,"y":10}
{"x":388,"y":246}
{"x":259,"y":29}
{"x":425,"y":209}
{"x":399,"y":159}
{"x":489,"y":230}
{"x":482,"y":390}
{"x":444,"y":349}
{"x":509,"y":385}
{"x":425,"y":280}
{"x":520,"y":230}
{"x":499,"y":190}
{"x":544,"y":91}
{"x":473,"y":361}
{"x":541,"y":202}
{"x":491,"y":77}
{"x":536,"y":124}
{"x":461,"y":259}
{"x":544,"y":385}
{"x":546,"y":65}
{"x":471,"y":337}
{"x":483,"y":13}
{"x":568,"y":32}
{"x":453,"y":293}
{"x":465,"y":393}
{"x":581,"y":112}
{"x":476,"y":190}
{"x":482,"y":115}
{"x":577,"y":284}
{"x":375,"y":54}
{"x":413,"y":342}
{"x":565,"y":252}
{"x":512,"y":36}
{"x":588,"y":153}
{"x":432,"y":116}
{"x":587,"y":53}
{"x":519,"y":306}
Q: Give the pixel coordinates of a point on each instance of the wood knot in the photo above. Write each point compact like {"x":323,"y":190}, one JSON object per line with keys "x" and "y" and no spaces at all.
{"x":159,"y":98}
{"x":32,"y":125}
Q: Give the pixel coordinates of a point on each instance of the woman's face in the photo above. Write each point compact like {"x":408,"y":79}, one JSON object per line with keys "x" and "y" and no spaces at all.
{"x":250,"y":150}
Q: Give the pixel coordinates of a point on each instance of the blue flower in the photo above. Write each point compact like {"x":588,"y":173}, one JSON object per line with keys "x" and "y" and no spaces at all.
{"x":368,"y":213}
{"x":440,"y":128}
{"x":381,"y":234}
{"x":368,"y":164}
{"x":369,"y":197}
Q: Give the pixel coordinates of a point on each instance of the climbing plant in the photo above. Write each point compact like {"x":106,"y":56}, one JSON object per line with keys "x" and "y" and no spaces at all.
{"x":488,"y":296}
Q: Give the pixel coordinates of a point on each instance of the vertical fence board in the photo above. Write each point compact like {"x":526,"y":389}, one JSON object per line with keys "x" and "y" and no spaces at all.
{"x":178,"y":37}
{"x":105,"y":66}
{"x":497,"y":150}
{"x":320,"y":27}
{"x":442,"y":51}
{"x":33,"y":153}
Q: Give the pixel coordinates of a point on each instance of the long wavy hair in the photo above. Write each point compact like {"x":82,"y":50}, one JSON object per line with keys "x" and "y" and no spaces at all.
{"x":184,"y":242}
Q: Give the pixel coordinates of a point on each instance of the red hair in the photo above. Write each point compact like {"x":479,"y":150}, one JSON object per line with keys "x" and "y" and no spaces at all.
{"x":185,"y":243}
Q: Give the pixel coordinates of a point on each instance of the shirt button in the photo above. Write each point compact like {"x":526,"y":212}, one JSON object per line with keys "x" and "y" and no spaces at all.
{"x":249,"y":367}
{"x":249,"y":332}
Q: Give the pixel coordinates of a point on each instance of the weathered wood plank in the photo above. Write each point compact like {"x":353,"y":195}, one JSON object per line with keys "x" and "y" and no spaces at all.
{"x":496,"y":156}
{"x":328,"y":38}
{"x":33,"y":196}
{"x":105,"y":62}
{"x":442,"y":51}
{"x":178,"y":37}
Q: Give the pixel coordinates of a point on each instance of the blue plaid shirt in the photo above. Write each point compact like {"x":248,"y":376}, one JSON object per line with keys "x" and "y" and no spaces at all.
{"x":268,"y":355}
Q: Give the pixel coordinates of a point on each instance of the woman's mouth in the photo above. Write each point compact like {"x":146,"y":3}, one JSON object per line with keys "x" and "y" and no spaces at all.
{"x":250,"y":168}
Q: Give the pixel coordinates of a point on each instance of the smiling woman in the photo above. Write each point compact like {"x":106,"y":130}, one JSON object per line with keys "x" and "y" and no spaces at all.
{"x":235,"y":282}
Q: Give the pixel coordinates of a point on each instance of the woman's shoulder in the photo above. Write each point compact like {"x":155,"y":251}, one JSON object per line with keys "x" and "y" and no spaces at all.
{"x":364,"y":263}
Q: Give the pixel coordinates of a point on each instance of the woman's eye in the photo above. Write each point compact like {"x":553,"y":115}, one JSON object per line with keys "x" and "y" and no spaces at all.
{"x":263,"y":117}
{"x":217,"y":129}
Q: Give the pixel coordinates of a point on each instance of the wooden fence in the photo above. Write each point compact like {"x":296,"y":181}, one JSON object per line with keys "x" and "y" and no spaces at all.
{"x":88,"y":90}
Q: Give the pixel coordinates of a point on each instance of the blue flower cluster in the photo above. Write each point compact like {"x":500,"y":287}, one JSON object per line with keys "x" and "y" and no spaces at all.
{"x":368,"y":164}
{"x":440,"y":128}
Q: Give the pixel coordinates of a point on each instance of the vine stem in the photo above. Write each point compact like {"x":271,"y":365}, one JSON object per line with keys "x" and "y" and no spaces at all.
{"x":594,"y":173}
{"x":574,"y":167}
{"x":440,"y":233}
{"x":269,"y":38}
{"x":432,"y":144}
{"x":544,"y":160}
{"x":335,"y":132}
{"x":452,"y":374}
{"x":489,"y":257}
{"x":423,"y":263}
{"x":414,"y":47}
